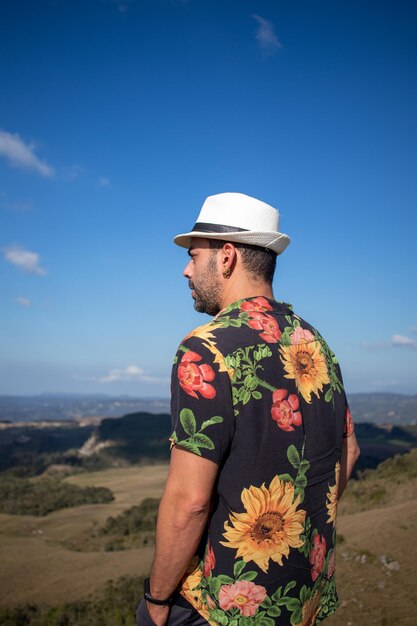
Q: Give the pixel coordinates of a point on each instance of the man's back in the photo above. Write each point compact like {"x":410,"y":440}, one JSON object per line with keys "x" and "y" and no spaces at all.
{"x":259,"y":392}
{"x":245,"y":527}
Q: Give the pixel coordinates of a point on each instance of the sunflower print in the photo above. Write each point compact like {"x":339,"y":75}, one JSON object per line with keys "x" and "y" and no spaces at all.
{"x":306,"y":364}
{"x":270,"y":526}
{"x":331,"y":503}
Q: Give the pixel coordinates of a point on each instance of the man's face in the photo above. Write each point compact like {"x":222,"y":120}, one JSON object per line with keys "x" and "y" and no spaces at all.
{"x":204,"y":277}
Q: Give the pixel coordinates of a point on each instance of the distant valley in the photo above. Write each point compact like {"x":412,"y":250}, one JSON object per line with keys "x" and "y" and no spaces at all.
{"x":78,"y":499}
{"x":378,"y":408}
{"x":57,"y":407}
{"x":35,"y":448}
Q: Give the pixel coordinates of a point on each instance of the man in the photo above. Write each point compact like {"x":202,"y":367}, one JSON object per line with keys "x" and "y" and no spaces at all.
{"x":263,"y":442}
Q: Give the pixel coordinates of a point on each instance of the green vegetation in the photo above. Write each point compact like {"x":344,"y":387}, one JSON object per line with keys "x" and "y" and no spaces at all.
{"x":369,"y":495}
{"x":379,"y":487}
{"x":136,"y":519}
{"x":135,"y":438}
{"x":379,"y":443}
{"x":401,"y":466}
{"x":114,"y":606}
{"x":142,"y":438}
{"x":19,"y":496}
{"x":138,"y":438}
{"x":134,"y":528}
{"x":28,"y":450}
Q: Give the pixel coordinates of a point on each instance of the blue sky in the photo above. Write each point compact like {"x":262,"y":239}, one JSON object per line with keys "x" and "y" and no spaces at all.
{"x":117,"y":119}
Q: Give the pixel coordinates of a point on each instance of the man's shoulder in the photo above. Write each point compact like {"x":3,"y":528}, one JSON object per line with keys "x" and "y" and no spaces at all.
{"x":203,"y":332}
{"x":252,"y":316}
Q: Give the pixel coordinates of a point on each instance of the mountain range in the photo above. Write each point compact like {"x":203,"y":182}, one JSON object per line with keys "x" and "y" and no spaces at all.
{"x":379,"y":408}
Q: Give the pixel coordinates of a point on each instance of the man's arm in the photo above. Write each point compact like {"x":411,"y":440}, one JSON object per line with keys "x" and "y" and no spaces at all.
{"x":182,"y":518}
{"x":350,"y":454}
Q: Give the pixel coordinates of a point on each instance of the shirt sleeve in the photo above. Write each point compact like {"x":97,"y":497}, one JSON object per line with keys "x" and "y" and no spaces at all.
{"x":202,"y":413}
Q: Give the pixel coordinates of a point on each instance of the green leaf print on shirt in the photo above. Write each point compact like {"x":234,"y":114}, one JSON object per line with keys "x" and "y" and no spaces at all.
{"x":227,"y":603}
{"x":246,"y":366}
{"x":237,"y":600}
{"x":197,"y":439}
{"x":331,"y":361}
{"x":294,"y":323}
{"x":302,"y":466}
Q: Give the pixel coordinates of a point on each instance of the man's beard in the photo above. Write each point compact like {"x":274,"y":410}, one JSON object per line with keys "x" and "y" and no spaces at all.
{"x":207,"y":294}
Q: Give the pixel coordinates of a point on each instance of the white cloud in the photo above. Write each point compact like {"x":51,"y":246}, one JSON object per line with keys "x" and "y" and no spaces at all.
{"x":23,"y":301}
{"x":103,"y":181}
{"x":266,"y":36}
{"x":374,"y":346}
{"x":131,"y":372}
{"x":397,"y":341}
{"x":24,"y":259}
{"x":403,"y":342}
{"x":21,"y":154}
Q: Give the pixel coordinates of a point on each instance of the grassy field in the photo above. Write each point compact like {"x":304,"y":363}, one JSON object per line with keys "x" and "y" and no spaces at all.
{"x":376,"y":561}
{"x":375,"y":564}
{"x":36,"y":567}
{"x":376,"y":567}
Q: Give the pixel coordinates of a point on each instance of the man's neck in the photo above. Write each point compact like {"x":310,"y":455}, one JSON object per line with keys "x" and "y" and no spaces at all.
{"x":234,"y":292}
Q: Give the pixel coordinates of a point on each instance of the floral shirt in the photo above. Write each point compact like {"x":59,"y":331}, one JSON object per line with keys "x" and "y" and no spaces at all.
{"x":258,"y":392}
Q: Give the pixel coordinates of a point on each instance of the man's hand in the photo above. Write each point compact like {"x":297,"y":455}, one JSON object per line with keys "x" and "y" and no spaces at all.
{"x":158,"y":614}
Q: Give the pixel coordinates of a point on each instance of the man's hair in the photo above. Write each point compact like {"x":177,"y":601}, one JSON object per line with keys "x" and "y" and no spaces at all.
{"x":260,"y":262}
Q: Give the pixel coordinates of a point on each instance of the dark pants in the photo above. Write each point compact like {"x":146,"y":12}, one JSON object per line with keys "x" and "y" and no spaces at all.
{"x":181,"y":614}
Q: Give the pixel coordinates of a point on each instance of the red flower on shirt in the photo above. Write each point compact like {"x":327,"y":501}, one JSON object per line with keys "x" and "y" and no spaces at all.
{"x":256,"y":304}
{"x":268,"y":324}
{"x":210,"y":561}
{"x":317,"y":555}
{"x":285,"y":410}
{"x":193,"y":378}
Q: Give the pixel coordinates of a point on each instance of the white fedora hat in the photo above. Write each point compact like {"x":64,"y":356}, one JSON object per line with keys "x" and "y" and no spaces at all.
{"x":237,"y":218}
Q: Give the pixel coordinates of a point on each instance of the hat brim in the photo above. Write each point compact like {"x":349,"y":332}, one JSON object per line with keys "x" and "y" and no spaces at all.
{"x":277,"y":242}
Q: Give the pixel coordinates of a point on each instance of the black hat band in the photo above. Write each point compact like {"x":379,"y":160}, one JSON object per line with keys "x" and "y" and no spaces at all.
{"x":205,"y":227}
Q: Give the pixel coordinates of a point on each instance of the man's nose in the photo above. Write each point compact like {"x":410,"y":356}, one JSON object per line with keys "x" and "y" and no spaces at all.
{"x":187,"y":270}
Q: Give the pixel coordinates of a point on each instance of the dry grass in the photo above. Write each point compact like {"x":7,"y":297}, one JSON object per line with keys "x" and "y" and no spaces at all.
{"x":35,"y":567}
{"x":376,"y":565}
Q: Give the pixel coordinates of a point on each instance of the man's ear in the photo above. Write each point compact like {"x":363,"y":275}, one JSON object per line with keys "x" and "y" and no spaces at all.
{"x":228,"y":257}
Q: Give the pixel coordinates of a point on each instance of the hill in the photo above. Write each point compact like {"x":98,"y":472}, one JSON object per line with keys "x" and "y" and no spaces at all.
{"x":133,"y":528}
{"x":140,"y":438}
{"x":30,"y":449}
{"x":377,"y":525}
{"x":383,"y":408}
{"x":379,"y":443}
{"x":375,"y":562}
{"x":53,"y":407}
{"x":19,"y":496}
{"x":134,"y":438}
{"x":38,"y":567}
